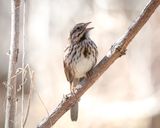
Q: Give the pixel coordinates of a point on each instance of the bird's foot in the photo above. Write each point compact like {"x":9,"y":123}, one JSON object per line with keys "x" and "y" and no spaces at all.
{"x":88,"y":74}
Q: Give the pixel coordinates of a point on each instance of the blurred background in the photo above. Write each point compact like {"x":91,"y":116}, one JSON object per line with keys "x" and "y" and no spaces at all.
{"x":127,"y":95}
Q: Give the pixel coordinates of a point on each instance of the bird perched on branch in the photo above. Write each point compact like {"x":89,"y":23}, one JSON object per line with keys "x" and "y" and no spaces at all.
{"x":80,"y":57}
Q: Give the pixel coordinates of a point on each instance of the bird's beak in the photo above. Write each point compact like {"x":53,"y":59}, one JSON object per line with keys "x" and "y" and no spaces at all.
{"x":88,"y":29}
{"x":86,"y":24}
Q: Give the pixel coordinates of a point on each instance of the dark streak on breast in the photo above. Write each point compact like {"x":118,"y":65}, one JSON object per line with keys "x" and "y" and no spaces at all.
{"x":85,"y":52}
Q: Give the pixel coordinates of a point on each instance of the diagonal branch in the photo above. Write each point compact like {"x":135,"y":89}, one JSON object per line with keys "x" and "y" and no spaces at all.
{"x":117,"y":50}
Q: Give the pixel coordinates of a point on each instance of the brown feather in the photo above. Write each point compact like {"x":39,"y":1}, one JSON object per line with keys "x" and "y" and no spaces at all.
{"x":67,"y":70}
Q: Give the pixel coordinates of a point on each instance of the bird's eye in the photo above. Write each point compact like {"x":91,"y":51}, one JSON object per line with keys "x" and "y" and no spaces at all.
{"x":78,"y":28}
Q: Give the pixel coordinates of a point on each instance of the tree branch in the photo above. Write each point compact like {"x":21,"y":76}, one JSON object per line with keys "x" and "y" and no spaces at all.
{"x":10,"y":111}
{"x":117,"y":50}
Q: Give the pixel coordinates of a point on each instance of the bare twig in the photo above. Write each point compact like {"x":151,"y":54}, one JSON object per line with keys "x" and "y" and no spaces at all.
{"x":23,"y":59}
{"x":11,"y":82}
{"x":31,"y":74}
{"x":43,"y":104}
{"x":118,"y":49}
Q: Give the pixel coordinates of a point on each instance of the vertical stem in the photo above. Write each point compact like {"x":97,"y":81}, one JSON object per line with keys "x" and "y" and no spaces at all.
{"x":13,"y":58}
{"x":23,"y":58}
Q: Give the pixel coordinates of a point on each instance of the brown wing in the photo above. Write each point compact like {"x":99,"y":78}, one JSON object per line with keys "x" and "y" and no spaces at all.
{"x":68,"y":72}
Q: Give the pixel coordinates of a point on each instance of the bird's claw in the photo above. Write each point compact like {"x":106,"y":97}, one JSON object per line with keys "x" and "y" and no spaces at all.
{"x":88,"y":74}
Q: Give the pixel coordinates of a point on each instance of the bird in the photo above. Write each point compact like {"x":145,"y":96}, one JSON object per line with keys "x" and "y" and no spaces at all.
{"x":80,"y":56}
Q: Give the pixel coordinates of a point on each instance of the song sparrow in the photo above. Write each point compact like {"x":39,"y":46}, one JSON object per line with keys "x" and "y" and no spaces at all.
{"x":80,"y":57}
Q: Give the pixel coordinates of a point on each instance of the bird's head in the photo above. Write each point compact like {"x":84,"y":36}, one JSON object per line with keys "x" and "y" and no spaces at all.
{"x":79,"y":30}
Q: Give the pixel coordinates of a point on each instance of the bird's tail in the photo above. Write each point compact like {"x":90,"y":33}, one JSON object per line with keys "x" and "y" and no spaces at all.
{"x":74,"y":112}
{"x":74,"y":109}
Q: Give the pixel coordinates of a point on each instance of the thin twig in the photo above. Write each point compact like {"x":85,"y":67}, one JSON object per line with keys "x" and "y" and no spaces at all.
{"x":117,"y":50}
{"x":23,"y":60}
{"x":31,"y":74}
{"x":43,"y":104}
